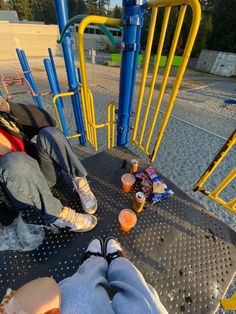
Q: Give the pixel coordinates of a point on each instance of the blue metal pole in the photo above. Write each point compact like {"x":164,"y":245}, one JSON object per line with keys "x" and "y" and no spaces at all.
{"x":55,"y":74}
{"x":130,"y":45}
{"x":28,"y":76}
{"x":62,"y":16}
{"x":54,"y":89}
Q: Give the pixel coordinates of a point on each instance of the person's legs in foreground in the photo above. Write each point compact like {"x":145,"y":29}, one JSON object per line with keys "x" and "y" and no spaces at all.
{"x":56,"y":154}
{"x":85,"y":291}
{"x":26,"y":185}
{"x":132,"y":293}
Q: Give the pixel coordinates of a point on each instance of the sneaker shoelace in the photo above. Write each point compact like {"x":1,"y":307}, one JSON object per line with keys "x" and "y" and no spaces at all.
{"x":75,"y":218}
{"x":85,"y":193}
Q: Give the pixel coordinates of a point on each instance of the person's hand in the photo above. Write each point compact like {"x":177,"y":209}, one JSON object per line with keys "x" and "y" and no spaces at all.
{"x":4,"y":105}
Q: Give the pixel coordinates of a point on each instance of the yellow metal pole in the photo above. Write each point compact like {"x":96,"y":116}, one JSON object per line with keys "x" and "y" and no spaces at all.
{"x":155,"y":71}
{"x":165,"y":3}
{"x":74,"y":136}
{"x":145,"y":69}
{"x":86,"y":116}
{"x":84,"y":112}
{"x":216,"y":161}
{"x":86,"y":21}
{"x":109,"y":125}
{"x":229,"y":304}
{"x":111,"y":107}
{"x":113,"y":124}
{"x":167,"y":71}
{"x":93,"y":118}
{"x":218,"y":200}
{"x":187,"y":51}
{"x":54,"y":99}
{"x":224,"y":183}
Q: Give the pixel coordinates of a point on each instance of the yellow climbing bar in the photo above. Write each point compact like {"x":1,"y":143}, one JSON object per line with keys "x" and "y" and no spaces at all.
{"x":214,"y":195}
{"x":229,"y":304}
{"x":143,"y":135}
{"x":54,"y":100}
{"x":86,"y":94}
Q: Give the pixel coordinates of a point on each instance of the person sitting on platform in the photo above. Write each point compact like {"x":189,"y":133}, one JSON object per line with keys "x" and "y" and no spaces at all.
{"x":28,"y":171}
{"x":106,"y":282}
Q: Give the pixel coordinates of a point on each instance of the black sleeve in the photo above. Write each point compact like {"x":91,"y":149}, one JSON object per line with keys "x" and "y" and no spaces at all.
{"x":7,"y":214}
{"x":31,"y":118}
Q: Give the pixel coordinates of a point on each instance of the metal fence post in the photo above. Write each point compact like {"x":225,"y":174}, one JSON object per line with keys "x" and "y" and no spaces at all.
{"x":62,"y":16}
{"x":55,"y":91}
{"x":130,"y":46}
{"x":55,"y":74}
{"x":28,"y":76}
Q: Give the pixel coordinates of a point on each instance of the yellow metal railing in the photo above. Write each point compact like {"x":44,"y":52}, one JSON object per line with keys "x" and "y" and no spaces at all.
{"x":54,"y":100}
{"x":138,"y":134}
{"x":86,"y":94}
{"x":214,"y":195}
{"x":90,"y":123}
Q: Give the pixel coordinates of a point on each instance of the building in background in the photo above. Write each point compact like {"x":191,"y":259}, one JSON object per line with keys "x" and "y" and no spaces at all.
{"x":94,"y":38}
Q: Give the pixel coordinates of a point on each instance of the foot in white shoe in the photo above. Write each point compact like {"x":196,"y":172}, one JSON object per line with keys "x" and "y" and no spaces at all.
{"x":87,"y":197}
{"x":112,"y":249}
{"x":75,"y":221}
{"x":95,"y":248}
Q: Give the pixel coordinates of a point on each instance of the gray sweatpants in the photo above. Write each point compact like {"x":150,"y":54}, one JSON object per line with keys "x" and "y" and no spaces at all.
{"x":86,"y":291}
{"x":27,"y":182}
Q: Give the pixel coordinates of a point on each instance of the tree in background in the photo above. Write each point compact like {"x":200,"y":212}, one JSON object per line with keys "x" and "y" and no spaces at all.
{"x":117,"y":12}
{"x":223,"y":35}
{"x":37,"y":8}
{"x":77,"y":7}
{"x":49,"y":12}
{"x":217,"y":29}
{"x":91,"y":6}
{"x":23,"y":9}
{"x":3,"y":5}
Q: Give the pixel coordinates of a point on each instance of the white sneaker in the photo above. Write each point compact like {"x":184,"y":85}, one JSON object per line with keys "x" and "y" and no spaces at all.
{"x":95,"y":248}
{"x":87,"y":197}
{"x":75,"y":221}
{"x":112,"y":249}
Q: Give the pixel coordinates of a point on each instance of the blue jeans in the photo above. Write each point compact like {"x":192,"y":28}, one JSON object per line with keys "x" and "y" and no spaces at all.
{"x":86,"y":291}
{"x":27,"y":182}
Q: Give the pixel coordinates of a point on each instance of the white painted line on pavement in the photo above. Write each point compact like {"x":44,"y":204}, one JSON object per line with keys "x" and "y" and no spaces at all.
{"x":200,"y":87}
{"x":195,"y":126}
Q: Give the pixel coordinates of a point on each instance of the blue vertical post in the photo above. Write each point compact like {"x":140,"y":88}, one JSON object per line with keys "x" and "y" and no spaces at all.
{"x":28,"y":76}
{"x":54,"y":89}
{"x":55,"y":74}
{"x":130,"y":46}
{"x":62,"y":16}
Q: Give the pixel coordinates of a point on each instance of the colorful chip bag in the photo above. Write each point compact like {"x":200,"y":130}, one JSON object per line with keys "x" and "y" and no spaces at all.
{"x":145,"y":183}
{"x":160,"y":190}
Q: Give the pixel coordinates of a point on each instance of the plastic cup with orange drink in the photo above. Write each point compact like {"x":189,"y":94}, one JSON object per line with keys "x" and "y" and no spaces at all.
{"x":127,"y":219}
{"x":128,"y":181}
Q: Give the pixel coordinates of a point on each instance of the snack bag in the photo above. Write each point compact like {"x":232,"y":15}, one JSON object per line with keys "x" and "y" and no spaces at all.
{"x":160,"y":190}
{"x":145,"y":182}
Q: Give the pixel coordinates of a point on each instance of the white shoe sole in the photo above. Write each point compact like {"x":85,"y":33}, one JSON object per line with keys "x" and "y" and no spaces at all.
{"x":91,"y":227}
{"x":91,"y":211}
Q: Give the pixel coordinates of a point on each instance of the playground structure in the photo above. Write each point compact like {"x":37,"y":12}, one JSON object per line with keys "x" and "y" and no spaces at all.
{"x":198,"y":222}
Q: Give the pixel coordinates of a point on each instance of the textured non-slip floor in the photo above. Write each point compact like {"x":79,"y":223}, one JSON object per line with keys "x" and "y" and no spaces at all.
{"x":187,"y":254}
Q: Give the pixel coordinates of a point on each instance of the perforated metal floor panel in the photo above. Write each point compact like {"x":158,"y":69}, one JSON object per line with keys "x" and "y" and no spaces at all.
{"x":187,"y":254}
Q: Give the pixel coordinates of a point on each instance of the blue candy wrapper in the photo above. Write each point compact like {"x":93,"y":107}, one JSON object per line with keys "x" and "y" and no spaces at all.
{"x":160,"y":189}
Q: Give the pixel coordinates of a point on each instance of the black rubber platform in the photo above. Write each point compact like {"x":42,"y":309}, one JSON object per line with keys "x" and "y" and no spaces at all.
{"x":187,"y":254}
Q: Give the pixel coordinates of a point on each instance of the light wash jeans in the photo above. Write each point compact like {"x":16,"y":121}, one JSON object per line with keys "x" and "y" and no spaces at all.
{"x":27,"y":182}
{"x":86,"y":291}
